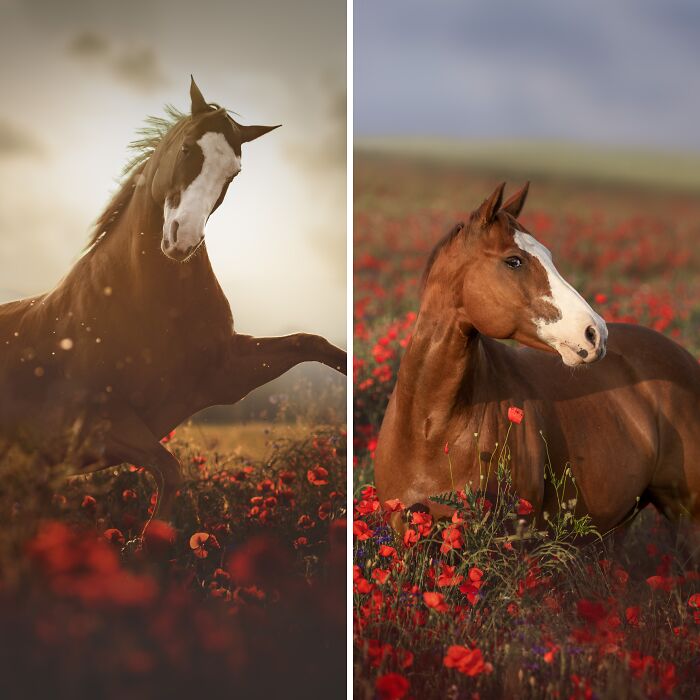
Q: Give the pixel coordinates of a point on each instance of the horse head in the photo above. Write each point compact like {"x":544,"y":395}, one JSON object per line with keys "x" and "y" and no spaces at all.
{"x":191,"y":170}
{"x":509,"y":287}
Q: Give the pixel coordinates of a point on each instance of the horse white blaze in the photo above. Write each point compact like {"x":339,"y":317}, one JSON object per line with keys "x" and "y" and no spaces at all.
{"x":568,"y":334}
{"x":183,"y":225}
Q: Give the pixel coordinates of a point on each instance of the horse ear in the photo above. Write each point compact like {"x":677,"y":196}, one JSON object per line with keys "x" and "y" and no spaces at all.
{"x":514,"y":205}
{"x":199,"y":104}
{"x":490,"y":206}
{"x":250,"y":133}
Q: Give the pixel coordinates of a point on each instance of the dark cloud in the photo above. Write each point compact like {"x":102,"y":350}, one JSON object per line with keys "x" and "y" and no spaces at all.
{"x":16,"y":141}
{"x":138,"y":67}
{"x":88,"y":45}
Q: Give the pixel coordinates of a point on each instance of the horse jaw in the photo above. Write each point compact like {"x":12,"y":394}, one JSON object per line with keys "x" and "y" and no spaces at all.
{"x":183,"y":225}
{"x":579,"y":334}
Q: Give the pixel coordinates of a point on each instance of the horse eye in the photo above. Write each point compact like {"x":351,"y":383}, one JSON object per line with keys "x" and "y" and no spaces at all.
{"x":513,"y":262}
{"x":185,"y":148}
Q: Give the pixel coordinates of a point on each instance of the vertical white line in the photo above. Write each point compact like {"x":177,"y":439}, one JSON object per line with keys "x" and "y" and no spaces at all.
{"x":349,"y":342}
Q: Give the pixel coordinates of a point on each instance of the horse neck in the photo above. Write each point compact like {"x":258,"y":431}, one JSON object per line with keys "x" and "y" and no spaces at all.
{"x":129,"y":255}
{"x":442,"y":364}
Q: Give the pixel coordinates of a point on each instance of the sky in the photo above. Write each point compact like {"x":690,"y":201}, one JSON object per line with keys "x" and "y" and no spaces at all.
{"x":80,"y":76}
{"x":623,"y":73}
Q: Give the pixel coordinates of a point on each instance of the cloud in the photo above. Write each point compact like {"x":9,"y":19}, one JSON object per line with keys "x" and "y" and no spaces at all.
{"x":137,"y":67}
{"x":88,"y":45}
{"x":16,"y":141}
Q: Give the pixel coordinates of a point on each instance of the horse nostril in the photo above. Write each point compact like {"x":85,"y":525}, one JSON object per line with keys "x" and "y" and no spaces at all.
{"x":591,"y":335}
{"x":583,"y":354}
{"x":173,"y":231}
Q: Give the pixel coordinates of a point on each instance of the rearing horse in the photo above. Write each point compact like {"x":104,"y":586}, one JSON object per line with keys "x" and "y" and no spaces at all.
{"x":618,"y":403}
{"x":132,"y":341}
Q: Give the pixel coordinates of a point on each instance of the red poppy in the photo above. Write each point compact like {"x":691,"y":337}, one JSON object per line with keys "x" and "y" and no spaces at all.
{"x":392,"y":686}
{"x":380,"y":575}
{"x":159,"y":536}
{"x":114,"y":536}
{"x":468,"y":662}
{"x":89,"y":503}
{"x":198,"y":544}
{"x":361,"y":530}
{"x":632,"y":615}
{"x":410,"y":537}
{"x":525,"y":507}
{"x":448,"y":577}
{"x":451,"y":539}
{"x":661,"y":583}
{"x":435,"y":600}
{"x":318,"y":476}
{"x":393,"y":505}
{"x":515,"y":414}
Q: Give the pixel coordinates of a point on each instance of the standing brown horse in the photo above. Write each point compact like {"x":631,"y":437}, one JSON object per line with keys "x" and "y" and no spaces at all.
{"x":132,"y":341}
{"x":619,"y":404}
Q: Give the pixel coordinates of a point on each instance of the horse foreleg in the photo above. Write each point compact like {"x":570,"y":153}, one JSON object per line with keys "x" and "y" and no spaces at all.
{"x":130,"y":440}
{"x":252,"y":362}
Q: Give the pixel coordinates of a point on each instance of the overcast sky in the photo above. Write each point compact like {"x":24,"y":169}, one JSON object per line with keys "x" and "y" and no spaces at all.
{"x":80,"y":76}
{"x":613,"y":73}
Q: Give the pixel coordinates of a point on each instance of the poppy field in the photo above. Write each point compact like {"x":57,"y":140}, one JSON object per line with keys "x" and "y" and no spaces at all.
{"x":243,"y":594}
{"x":465,"y":608}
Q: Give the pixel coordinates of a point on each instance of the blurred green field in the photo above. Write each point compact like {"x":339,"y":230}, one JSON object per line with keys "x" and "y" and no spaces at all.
{"x":551,"y":159}
{"x":254,"y":440}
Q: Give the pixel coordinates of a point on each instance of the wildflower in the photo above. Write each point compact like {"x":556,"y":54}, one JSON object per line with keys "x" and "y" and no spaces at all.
{"x":435,"y":600}
{"x":660,"y":583}
{"x":410,"y":537}
{"x":89,"y":503}
{"x":114,"y":536}
{"x":470,"y":588}
{"x":448,"y":577}
{"x":423,"y":522}
{"x":394,"y":505}
{"x":447,"y":448}
{"x":159,"y":537}
{"x":591,"y":611}
{"x":318,"y":476}
{"x":524,"y":507}
{"x":392,"y":686}
{"x":197,"y":544}
{"x":305,"y":522}
{"x":386,"y":551}
{"x":380,"y":575}
{"x":515,"y":414}
{"x":451,"y":539}
{"x":129,"y":495}
{"x":632,"y":615}
{"x":468,"y":662}
{"x":361,"y":530}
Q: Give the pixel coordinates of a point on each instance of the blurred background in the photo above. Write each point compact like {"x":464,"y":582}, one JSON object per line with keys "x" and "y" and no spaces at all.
{"x":595,"y":89}
{"x":81,"y":76}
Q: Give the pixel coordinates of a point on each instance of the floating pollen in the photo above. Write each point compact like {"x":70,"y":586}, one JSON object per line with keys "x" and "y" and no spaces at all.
{"x":66,"y":344}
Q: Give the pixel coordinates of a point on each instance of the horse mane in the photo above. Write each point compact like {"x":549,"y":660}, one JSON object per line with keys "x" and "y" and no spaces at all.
{"x":437,"y":249}
{"x":142,"y":148}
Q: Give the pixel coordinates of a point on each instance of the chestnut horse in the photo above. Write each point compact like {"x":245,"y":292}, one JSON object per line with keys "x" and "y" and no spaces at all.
{"x":132,"y":341}
{"x":619,"y":404}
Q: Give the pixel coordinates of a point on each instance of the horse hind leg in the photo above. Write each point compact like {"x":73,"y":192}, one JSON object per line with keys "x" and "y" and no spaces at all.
{"x":682,"y":510}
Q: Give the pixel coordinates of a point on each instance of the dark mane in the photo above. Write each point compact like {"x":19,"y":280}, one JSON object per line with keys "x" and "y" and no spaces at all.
{"x":445,"y":240}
